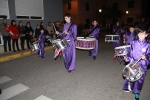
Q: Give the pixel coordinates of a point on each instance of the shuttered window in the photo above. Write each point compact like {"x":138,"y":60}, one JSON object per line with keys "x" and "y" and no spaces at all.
{"x":29,"y":9}
{"x":4,"y":10}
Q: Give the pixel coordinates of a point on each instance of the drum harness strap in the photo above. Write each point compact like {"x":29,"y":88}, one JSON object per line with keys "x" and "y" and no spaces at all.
{"x":69,"y":28}
{"x":91,"y":31}
{"x":141,"y":25}
{"x":116,"y":29}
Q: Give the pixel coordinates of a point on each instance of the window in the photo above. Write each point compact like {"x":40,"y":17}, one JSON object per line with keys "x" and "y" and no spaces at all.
{"x":87,"y":6}
{"x":115,"y":5}
{"x":131,"y":4}
{"x":69,"y":6}
{"x":4,"y":10}
{"x":29,"y":9}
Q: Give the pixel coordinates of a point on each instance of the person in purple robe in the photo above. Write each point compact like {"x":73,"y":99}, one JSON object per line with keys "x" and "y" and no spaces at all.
{"x":142,"y":24}
{"x":117,"y":31}
{"x":140,"y":49}
{"x":69,"y":33}
{"x":42,"y":38}
{"x":130,"y":36}
{"x":95,"y":31}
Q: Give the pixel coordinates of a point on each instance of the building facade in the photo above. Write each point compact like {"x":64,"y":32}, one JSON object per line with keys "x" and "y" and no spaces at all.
{"x":85,"y":10}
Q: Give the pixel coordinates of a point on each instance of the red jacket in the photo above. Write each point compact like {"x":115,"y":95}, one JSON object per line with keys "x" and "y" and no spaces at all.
{"x":15,"y":31}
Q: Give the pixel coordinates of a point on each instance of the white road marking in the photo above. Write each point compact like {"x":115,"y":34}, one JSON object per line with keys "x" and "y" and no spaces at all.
{"x":4,"y":79}
{"x":42,"y":97}
{"x":13,"y":91}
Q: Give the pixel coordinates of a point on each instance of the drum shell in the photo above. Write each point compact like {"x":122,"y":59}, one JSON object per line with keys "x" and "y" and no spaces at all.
{"x":60,"y":44}
{"x":85,"y":43}
{"x":121,"y":50}
{"x":36,"y":46}
{"x":112,"y":38}
{"x":132,"y":73}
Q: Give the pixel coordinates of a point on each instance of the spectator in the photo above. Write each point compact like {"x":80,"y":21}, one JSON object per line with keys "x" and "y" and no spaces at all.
{"x":6,"y":35}
{"x":108,"y":27}
{"x":22,"y":34}
{"x":29,"y":33}
{"x":37,"y":31}
{"x":57,"y":26}
{"x":86,"y":29}
{"x":42,"y":25}
{"x":15,"y":35}
{"x":80,"y":28}
{"x":50,"y":29}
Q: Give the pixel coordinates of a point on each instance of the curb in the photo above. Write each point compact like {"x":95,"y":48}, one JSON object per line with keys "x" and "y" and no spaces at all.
{"x":21,"y":54}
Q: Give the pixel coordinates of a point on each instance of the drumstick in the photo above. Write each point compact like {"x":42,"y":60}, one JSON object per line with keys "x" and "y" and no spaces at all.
{"x":55,"y":30}
{"x":54,"y":27}
{"x":136,"y":63}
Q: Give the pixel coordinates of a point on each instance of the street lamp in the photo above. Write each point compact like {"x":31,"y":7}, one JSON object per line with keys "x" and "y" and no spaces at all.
{"x":100,"y":10}
{"x":127,"y":12}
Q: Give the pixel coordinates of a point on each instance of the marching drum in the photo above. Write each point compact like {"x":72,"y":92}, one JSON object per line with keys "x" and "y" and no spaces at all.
{"x":132,"y":72}
{"x":85,"y":43}
{"x":111,"y":38}
{"x":60,"y":44}
{"x":121,"y":50}
{"x":34,"y":46}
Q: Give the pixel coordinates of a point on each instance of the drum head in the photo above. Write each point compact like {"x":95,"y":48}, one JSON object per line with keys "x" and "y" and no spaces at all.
{"x":120,"y":47}
{"x":85,"y":39}
{"x":132,"y":72}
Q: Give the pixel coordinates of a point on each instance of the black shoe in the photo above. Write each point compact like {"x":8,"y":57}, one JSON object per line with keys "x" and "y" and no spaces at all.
{"x":94,"y":57}
{"x":137,"y":99}
{"x":18,"y":50}
{"x":14,"y":50}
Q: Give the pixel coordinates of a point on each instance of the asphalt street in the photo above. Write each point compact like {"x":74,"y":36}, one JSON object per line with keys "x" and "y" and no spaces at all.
{"x":31,"y":78}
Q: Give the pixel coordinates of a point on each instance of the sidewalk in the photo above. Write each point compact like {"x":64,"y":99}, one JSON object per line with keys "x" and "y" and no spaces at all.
{"x":13,"y":55}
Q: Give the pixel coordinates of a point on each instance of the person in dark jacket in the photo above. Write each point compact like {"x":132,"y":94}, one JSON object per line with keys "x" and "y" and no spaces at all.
{"x":29,"y":33}
{"x":42,"y":26}
{"x":22,"y":34}
{"x":37,"y":31}
{"x":6,"y":35}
